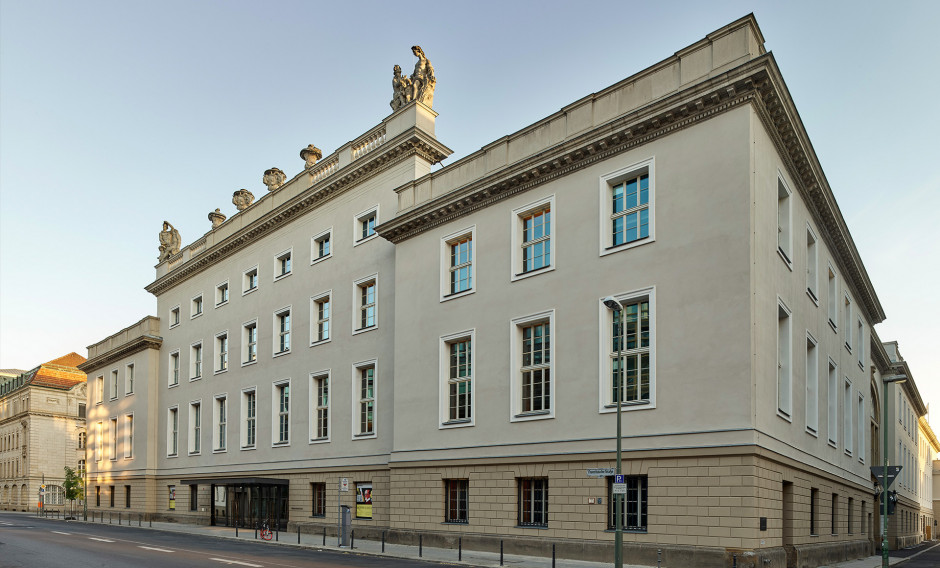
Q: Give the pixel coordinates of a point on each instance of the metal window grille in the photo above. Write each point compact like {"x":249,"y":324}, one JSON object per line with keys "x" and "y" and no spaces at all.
{"x":457,"y":498}
{"x":533,"y":502}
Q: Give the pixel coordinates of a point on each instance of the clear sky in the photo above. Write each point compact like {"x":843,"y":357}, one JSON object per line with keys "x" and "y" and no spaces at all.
{"x":117,"y":115}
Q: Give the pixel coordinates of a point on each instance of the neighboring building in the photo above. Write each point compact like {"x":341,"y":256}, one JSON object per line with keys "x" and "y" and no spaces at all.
{"x":440,"y":340}
{"x":927,"y":449}
{"x":935,"y":483}
{"x":42,"y":430}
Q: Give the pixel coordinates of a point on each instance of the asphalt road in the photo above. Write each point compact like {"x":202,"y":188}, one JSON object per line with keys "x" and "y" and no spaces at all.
{"x":928,"y":559}
{"x":31,"y":542}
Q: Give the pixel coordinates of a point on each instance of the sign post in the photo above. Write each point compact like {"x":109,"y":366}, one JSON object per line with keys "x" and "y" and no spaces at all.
{"x":343,"y":486}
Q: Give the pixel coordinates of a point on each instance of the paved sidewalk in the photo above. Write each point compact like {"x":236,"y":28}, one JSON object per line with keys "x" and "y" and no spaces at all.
{"x":894,"y":557}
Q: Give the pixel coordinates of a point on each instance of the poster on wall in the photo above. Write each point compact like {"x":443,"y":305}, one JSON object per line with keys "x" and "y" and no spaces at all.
{"x":364,"y":500}
{"x":172,"y":497}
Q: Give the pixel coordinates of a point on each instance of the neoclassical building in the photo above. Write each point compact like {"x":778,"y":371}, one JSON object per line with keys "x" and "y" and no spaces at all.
{"x":42,"y":430}
{"x":433,"y":349}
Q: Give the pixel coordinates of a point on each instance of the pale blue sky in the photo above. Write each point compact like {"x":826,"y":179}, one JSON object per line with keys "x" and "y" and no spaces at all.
{"x":117,"y":115}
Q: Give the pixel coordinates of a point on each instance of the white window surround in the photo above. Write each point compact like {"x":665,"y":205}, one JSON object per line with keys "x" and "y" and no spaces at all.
{"x":99,"y":387}
{"x":516,"y":229}
{"x":605,"y":184}
{"x":315,"y":301}
{"x":246,"y":280}
{"x":861,"y":428}
{"x":130,"y":377}
{"x":446,"y":243}
{"x":444,"y":379}
{"x":848,"y":425}
{"x":315,"y":246}
{"x":833,"y":300}
{"x":216,"y":357}
{"x":356,"y":391}
{"x":220,"y":298}
{"x":245,"y":361}
{"x":784,"y":362}
{"x":357,"y":304}
{"x":175,"y":316}
{"x":170,"y":368}
{"x":860,"y":344}
{"x":215,"y":422}
{"x":128,"y":437}
{"x":314,"y":397}
{"x":847,"y":314}
{"x":197,"y":306}
{"x":197,"y":360}
{"x":275,"y":412}
{"x":276,"y":334}
{"x":113,"y":385}
{"x":605,"y":319}
{"x":784,"y":221}
{"x":171,"y":412}
{"x":359,"y":219}
{"x":112,"y":438}
{"x":515,"y":367}
{"x":833,"y":402}
{"x":243,"y":418}
{"x":812,"y":265}
{"x":812,"y":385}
{"x":279,"y":258}
{"x":194,"y":437}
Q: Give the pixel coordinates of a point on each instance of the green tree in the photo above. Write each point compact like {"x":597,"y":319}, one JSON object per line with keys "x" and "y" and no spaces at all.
{"x":73,"y":486}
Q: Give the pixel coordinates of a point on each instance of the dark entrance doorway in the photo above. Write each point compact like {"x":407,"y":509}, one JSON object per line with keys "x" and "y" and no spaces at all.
{"x":248,"y":501}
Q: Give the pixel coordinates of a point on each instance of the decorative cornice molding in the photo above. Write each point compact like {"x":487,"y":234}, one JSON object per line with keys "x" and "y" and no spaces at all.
{"x":411,"y":143}
{"x":134,"y":346}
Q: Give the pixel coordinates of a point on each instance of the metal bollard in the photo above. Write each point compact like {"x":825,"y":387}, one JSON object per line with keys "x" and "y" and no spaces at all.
{"x":420,"y":545}
{"x":151,"y":520}
{"x":734,"y":561}
{"x":383,"y":541}
{"x":460,"y":549}
{"x":119,"y":519}
{"x":298,"y":534}
{"x":324,"y":536}
{"x":500,"y":552}
{"x":110,"y":517}
{"x":277,"y":532}
{"x":553,"y":555}
{"x":352,"y":539}
{"x":256,"y":532}
{"x":236,"y":529}
{"x":659,"y":557}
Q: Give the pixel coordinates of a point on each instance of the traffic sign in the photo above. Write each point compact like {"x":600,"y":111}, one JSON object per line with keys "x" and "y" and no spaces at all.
{"x":879,"y":470}
{"x":619,"y":479}
{"x":620,"y":488}
{"x":42,"y":487}
{"x":600,"y":472}
{"x":344,"y":484}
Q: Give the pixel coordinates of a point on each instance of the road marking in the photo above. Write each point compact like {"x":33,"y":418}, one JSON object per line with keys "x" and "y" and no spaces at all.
{"x":100,"y":539}
{"x":152,"y":548}
{"x":236,"y":562}
{"x":59,"y":532}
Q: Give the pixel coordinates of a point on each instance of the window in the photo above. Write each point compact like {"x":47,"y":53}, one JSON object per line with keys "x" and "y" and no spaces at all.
{"x":632,"y":331}
{"x":367,"y":304}
{"x":81,"y":410}
{"x":127,"y":496}
{"x":812,"y":280}
{"x":174,"y":378}
{"x":783,"y":222}
{"x":172,"y":431}
{"x":533,"y":501}
{"x":532,"y":245}
{"x":112,"y":438}
{"x":111,"y":494}
{"x":113,"y":384}
{"x":365,"y":225}
{"x":847,"y":327}
{"x":813,"y":510}
{"x":318,"y":506}
{"x":81,"y":440}
{"x":320,"y":391}
{"x":320,"y":317}
{"x":195,"y":361}
{"x":457,"y":379}
{"x":221,"y":350}
{"x":195,"y":427}
{"x":99,"y":390}
{"x":531,"y":349}
{"x":833,"y":300}
{"x":784,"y":363}
{"x":321,"y":246}
{"x":457,"y":260}
{"x":281,"y":412}
{"x":812,"y":385}
{"x":220,"y":418}
{"x":282,"y":325}
{"x":129,"y":379}
{"x":249,"y":411}
{"x":81,"y":468}
{"x":860,"y":344}
{"x":847,"y":416}
{"x":455,"y":505}
{"x":364,"y":396}
{"x":97,"y":495}
{"x":98,"y":441}
{"x":833,"y":400}
{"x":193,"y":497}
{"x":250,"y":280}
{"x":860,"y":427}
{"x":835,"y":513}
{"x":626,"y":207}
{"x":221,"y":294}
{"x":128,"y":436}
{"x":634,"y":503}
{"x":196,"y":308}
{"x":172,"y":497}
{"x":250,"y":342}
{"x":282,"y":264}
{"x":174,"y":317}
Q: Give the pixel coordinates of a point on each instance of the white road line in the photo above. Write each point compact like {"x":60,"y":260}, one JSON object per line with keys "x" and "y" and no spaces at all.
{"x":59,"y":532}
{"x":100,"y":539}
{"x":152,"y":548}
{"x":236,"y":562}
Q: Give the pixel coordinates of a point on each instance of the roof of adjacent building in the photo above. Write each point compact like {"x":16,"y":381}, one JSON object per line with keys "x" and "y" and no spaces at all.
{"x":61,"y":373}
{"x":11,"y":372}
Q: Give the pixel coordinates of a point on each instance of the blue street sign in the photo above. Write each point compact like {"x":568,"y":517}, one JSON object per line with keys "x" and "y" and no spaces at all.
{"x":619,"y":479}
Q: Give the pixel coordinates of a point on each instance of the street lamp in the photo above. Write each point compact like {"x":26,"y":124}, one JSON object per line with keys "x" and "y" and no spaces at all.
{"x":884,"y":452}
{"x":615,"y":306}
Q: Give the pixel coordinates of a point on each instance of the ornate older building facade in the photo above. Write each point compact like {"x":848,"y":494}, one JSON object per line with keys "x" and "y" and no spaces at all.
{"x":439,"y":340}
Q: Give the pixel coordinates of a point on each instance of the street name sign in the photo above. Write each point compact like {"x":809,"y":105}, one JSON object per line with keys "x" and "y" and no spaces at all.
{"x":600,"y":472}
{"x":879,"y":470}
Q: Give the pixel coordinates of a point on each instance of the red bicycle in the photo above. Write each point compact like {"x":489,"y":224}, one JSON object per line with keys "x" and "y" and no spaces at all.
{"x":265,"y":531}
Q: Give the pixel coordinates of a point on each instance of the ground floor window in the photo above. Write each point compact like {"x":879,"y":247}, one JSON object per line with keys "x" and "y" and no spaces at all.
{"x":634,"y":503}
{"x":127,"y":496}
{"x":455,"y":495}
{"x":111,"y":494}
{"x":97,"y":495}
{"x":193,"y":497}
{"x":319,"y":499}
{"x":533,"y":501}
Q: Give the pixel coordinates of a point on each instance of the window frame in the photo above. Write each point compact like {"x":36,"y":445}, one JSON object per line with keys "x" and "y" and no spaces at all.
{"x":277,"y":388}
{"x":246,"y":280}
{"x":357,"y":400}
{"x":315,"y":241}
{"x":318,"y":499}
{"x":606,"y":183}
{"x":223,"y":292}
{"x":173,"y":371}
{"x":172,"y":431}
{"x":860,"y":425}
{"x":445,"y":343}
{"x":812,"y":385}
{"x":99,"y":387}
{"x":281,"y":316}
{"x":113,"y":438}
{"x":360,"y":220}
{"x":860,"y":344}
{"x":279,"y":264}
{"x":129,"y":376}
{"x":197,"y":306}
{"x":248,"y":422}
{"x":784,"y":234}
{"x":196,"y":360}
{"x":315,"y":321}
{"x":194,"y":428}
{"x":605,"y":380}
{"x":784,"y":362}
{"x":358,"y":306}
{"x":447,"y":268}
{"x":833,"y":299}
{"x":220,"y":414}
{"x":457,"y":511}
{"x":847,"y":316}
{"x":848,"y":424}
{"x":517,"y":226}
{"x":812,"y":265}
{"x":516,"y":327}
{"x":246,"y":342}
{"x":128,"y":438}
{"x":521,"y":499}
{"x":832,"y":400}
{"x":175,"y":317}
{"x":113,"y":385}
{"x":315,"y":407}
{"x":222,"y":339}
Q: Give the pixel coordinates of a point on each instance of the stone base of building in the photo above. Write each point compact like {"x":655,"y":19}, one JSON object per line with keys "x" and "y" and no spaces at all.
{"x":823,"y":554}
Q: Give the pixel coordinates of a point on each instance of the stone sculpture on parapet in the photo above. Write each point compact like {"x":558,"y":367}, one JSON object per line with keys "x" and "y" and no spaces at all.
{"x":242,"y":199}
{"x":217,"y":218}
{"x":170,"y":242}
{"x":310,"y":155}
{"x":273,"y":178}
{"x":418,"y":87}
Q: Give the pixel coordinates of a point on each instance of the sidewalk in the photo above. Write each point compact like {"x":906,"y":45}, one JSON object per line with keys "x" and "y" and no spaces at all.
{"x":894,"y":557}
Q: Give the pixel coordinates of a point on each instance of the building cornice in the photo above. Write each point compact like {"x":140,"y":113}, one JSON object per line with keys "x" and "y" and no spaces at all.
{"x":929,"y":433}
{"x":133,"y":346}
{"x":878,"y":353}
{"x":757,"y":82}
{"x":414,"y":142}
